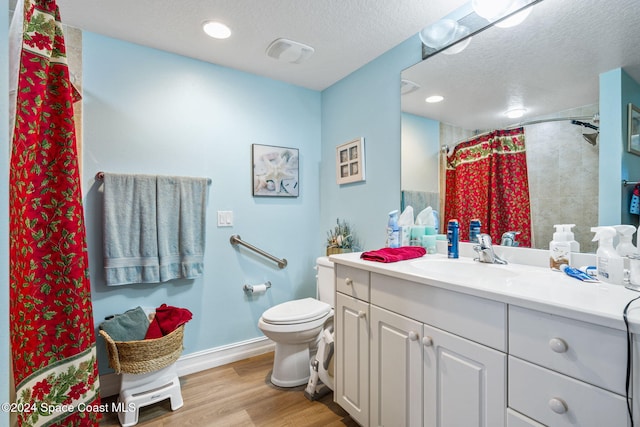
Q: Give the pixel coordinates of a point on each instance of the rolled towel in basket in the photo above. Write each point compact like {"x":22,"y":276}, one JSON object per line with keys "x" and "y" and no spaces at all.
{"x":132,"y":325}
{"x":166,"y":320}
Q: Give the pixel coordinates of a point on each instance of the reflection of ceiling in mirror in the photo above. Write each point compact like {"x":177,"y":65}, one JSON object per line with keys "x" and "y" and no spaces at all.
{"x":549,"y":63}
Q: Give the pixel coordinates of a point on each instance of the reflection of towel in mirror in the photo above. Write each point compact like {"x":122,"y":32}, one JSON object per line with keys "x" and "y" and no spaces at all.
{"x":394,"y":254}
{"x":130,"y":234}
{"x":166,"y":320}
{"x":634,"y":206}
{"x":181,"y":213}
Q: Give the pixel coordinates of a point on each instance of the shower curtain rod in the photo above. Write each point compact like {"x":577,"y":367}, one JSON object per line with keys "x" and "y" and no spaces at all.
{"x":445,"y":148}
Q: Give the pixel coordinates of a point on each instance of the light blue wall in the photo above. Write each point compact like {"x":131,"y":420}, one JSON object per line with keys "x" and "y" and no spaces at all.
{"x":4,"y":220}
{"x":617,"y":90}
{"x":365,"y":104}
{"x":148,"y":111}
{"x":420,"y":153}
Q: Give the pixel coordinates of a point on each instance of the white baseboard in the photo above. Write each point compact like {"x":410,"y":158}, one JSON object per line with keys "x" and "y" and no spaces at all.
{"x":201,"y":361}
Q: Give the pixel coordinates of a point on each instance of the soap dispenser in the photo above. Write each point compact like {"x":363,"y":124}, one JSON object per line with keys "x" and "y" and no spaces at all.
{"x":559,"y":248}
{"x":610,"y":265}
{"x":575,"y":246}
{"x":625,"y":236}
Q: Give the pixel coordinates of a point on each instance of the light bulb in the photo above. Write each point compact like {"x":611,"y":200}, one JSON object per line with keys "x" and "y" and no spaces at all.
{"x":439,"y":34}
{"x":492,"y":10}
{"x":517,"y":18}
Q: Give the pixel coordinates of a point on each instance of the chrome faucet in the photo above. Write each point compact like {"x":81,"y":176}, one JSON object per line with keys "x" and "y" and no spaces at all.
{"x":485,"y":251}
{"x":509,"y":238}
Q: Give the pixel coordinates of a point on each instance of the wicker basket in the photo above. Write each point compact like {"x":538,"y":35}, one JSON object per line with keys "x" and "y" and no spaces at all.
{"x":144,"y":356}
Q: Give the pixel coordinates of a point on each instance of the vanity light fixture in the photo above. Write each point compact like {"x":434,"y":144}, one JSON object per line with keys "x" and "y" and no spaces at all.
{"x":516,"y":18}
{"x":515,"y":113}
{"x":434,"y":98}
{"x":217,"y":30}
{"x":492,"y":10}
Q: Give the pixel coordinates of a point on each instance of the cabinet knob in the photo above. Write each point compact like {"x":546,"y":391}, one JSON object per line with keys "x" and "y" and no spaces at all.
{"x":558,"y":345}
{"x":427,"y":341}
{"x":361,"y":314}
{"x":348,"y":281}
{"x":558,"y":405}
{"x":413,"y":336}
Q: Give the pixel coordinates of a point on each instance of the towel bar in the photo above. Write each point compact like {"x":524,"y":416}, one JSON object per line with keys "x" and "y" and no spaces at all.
{"x":100,"y":177}
{"x":236,"y":240}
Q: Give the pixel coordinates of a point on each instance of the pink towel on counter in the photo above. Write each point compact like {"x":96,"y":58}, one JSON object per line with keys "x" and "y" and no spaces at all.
{"x":394,"y":254}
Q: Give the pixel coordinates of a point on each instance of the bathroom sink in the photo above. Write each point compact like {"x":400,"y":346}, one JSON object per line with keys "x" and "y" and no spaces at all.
{"x":465,"y":270}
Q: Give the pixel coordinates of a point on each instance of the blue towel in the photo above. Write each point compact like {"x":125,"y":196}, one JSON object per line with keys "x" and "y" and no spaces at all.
{"x":130,"y":229}
{"x":181,"y":213}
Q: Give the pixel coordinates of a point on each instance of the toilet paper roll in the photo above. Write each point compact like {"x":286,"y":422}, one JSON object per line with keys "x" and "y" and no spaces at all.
{"x":258,"y":289}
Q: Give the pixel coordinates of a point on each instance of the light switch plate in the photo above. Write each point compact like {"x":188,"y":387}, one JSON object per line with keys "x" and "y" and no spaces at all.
{"x":225,"y":218}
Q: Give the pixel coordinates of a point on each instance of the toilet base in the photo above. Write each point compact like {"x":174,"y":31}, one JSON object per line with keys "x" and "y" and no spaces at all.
{"x":291,"y":365}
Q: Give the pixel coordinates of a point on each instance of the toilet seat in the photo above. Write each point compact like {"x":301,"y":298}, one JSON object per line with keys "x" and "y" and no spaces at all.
{"x":297,"y":311}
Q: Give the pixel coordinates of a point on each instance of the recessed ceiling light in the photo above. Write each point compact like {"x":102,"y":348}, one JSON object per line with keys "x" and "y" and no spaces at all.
{"x":515,"y":113}
{"x":434,"y":98}
{"x":217,"y":30}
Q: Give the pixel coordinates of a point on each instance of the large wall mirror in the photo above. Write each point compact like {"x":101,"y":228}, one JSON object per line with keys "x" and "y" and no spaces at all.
{"x":549,"y":65}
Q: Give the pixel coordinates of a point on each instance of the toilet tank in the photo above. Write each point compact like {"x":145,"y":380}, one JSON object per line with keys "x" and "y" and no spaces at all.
{"x":325,"y":281}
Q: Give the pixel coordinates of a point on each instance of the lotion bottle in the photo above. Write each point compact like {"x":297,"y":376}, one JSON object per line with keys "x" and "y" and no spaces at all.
{"x":610,"y":265}
{"x":559,"y":248}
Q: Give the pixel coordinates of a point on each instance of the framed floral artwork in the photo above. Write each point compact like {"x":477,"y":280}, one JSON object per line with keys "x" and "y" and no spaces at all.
{"x":350,"y":161}
{"x":275,"y":171}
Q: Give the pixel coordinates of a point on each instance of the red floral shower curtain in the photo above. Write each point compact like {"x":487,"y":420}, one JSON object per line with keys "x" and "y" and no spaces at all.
{"x":51,"y":320}
{"x":486,"y":178}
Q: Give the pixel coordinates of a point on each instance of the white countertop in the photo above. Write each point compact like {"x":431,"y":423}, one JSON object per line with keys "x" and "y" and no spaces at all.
{"x":537,"y":288}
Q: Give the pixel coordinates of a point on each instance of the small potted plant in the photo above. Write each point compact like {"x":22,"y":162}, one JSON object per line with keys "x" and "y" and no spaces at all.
{"x":340,"y":239}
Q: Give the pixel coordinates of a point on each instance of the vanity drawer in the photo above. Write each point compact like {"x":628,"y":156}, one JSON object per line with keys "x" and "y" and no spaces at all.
{"x":588,"y":352}
{"x":478,"y":319}
{"x":557,"y":400}
{"x":353,"y":282}
{"x":516,"y":419}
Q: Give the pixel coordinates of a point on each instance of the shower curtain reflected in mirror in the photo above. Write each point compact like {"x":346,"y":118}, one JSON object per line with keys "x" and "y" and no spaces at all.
{"x":486,"y":178}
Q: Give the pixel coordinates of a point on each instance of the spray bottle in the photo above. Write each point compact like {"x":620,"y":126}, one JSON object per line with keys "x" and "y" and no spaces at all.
{"x":610,"y":265}
{"x":625,"y":236}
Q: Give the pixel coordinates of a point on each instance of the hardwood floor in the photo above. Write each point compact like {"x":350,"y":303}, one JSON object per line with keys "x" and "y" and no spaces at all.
{"x":239,"y":394}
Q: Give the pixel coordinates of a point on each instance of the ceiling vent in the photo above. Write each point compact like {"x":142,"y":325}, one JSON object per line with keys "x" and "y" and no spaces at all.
{"x":289,"y":51}
{"x":407,"y":86}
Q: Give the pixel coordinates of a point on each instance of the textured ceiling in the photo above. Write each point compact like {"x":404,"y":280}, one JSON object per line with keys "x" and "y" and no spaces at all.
{"x":345,"y":34}
{"x":549,"y":63}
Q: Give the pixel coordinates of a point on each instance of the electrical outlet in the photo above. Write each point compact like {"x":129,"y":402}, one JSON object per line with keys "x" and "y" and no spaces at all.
{"x":225,"y":218}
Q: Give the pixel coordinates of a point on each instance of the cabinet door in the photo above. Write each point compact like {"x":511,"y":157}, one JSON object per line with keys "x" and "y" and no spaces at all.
{"x":396,"y":370}
{"x":352,"y":357}
{"x":464,"y":382}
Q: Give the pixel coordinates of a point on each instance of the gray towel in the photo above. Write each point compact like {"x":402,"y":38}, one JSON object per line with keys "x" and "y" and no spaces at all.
{"x":131,"y":325}
{"x":181,"y":213}
{"x":130,"y":229}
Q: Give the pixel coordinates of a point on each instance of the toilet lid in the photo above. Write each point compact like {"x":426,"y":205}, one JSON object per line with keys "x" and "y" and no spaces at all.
{"x":297,"y":311}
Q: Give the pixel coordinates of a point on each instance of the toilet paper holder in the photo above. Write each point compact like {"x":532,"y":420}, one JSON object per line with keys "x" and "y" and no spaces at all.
{"x":256,"y":288}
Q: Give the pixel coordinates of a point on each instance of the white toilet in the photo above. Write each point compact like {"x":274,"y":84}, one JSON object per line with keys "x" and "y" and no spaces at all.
{"x":297,"y":327}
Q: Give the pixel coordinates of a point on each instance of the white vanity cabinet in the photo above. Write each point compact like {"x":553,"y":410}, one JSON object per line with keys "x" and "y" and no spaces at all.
{"x":351,"y":381}
{"x":418,"y":352}
{"x":419,"y":374}
{"x":565,"y":372}
{"x":464,"y":382}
